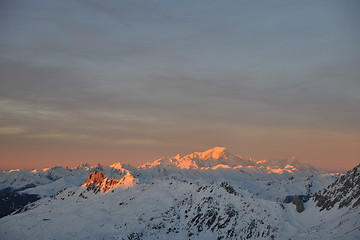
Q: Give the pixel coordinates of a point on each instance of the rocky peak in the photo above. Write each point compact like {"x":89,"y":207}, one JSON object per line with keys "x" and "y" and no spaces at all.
{"x":95,"y":177}
{"x":97,"y":182}
{"x":345,"y":191}
{"x":94,"y":181}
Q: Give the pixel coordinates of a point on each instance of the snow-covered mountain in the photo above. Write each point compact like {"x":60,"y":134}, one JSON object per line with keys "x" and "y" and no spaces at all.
{"x":48,"y":181}
{"x":19,"y":187}
{"x":220,"y":157}
{"x":344,"y":192}
{"x":98,"y":183}
{"x":212,"y":194}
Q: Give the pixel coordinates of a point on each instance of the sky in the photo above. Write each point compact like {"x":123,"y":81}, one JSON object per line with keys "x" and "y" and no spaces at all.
{"x":133,"y":81}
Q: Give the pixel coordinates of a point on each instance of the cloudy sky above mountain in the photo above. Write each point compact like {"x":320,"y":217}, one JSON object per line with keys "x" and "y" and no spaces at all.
{"x":131,"y":81}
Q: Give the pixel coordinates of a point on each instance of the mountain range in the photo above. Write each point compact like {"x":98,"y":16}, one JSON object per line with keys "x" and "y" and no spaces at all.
{"x":204,"y":195}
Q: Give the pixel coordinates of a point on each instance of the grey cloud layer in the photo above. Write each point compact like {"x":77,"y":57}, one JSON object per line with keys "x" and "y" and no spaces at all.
{"x":75,"y":65}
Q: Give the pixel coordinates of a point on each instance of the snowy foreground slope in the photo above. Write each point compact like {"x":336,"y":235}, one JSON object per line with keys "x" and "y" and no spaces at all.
{"x":208,"y":195}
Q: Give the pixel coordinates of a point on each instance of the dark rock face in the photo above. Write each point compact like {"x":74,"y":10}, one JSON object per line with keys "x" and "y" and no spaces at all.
{"x":12,"y":201}
{"x":345,"y":191}
{"x":207,"y":210}
{"x":212,"y":213}
{"x":298,"y":203}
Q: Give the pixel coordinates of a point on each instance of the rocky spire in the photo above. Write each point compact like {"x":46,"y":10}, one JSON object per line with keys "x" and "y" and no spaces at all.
{"x":94,"y":181}
{"x":97,"y":182}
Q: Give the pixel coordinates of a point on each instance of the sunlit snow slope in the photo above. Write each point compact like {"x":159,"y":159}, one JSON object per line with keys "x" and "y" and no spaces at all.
{"x":203,"y":195}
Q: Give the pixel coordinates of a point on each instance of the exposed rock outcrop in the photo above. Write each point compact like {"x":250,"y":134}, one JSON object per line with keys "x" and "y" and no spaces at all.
{"x":345,"y":191}
{"x":98,"y":183}
{"x":298,"y":203}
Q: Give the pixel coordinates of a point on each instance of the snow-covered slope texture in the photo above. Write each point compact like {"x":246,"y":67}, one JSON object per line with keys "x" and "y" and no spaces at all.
{"x":343,"y":192}
{"x":172,"y":209}
{"x":168,"y":209}
{"x":334,"y":212}
{"x":277,"y":180}
{"x":269,"y":179}
{"x":220,"y":157}
{"x":48,"y":181}
{"x":341,"y":224}
{"x":19,"y":187}
{"x":169,"y":202}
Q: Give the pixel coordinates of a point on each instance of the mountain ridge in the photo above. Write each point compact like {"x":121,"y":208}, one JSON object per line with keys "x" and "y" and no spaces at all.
{"x":174,"y":209}
{"x":344,"y":192}
{"x":170,"y":198}
{"x":220,"y":155}
{"x":196,"y":160}
{"x":216,"y":162}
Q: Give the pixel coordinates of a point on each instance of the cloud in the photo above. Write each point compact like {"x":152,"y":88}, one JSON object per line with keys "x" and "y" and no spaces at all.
{"x":60,"y":136}
{"x":136,"y":141}
{"x":12,"y":130}
{"x":139,"y":73}
{"x":96,"y":139}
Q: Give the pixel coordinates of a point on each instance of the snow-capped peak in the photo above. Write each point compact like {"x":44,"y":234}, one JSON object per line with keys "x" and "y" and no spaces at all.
{"x":160,"y":161}
{"x":16,"y":170}
{"x":220,"y":156}
{"x":207,"y":159}
{"x":82,"y":166}
{"x":117,"y":166}
{"x":215,"y":153}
